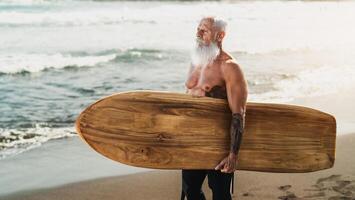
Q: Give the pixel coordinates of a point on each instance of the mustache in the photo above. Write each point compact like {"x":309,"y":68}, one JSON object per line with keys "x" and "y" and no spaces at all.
{"x":199,"y":40}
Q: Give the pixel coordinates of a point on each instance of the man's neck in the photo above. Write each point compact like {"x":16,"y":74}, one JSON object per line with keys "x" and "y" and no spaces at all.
{"x":219,"y":45}
{"x":220,"y":55}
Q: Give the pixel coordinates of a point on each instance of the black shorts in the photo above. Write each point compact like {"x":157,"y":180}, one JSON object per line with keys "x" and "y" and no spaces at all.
{"x":218,"y":181}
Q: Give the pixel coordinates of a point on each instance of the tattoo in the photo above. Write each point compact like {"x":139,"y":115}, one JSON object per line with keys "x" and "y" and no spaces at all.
{"x":236,"y":132}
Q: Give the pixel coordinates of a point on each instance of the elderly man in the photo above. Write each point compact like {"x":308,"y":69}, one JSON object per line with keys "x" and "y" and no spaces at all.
{"x":215,"y":73}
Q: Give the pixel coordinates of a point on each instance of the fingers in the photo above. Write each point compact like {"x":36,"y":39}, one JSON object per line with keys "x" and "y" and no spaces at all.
{"x":227,"y":170}
{"x":194,"y":94}
{"x":229,"y":167}
{"x":197,"y":93}
{"x":197,"y":96}
{"x":220,"y":165}
{"x":226,"y":166}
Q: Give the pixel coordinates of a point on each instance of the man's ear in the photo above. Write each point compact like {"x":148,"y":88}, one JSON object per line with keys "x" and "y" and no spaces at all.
{"x":220,"y":36}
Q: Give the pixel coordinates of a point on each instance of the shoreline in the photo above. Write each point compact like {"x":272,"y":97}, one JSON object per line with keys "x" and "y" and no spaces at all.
{"x":57,"y":162}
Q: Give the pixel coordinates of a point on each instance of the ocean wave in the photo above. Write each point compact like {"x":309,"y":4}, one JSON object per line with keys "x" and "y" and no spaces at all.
{"x":15,"y":141}
{"x":28,"y":63}
{"x":24,"y":63}
{"x":310,"y":82}
{"x":22,"y":18}
{"x":132,"y":55}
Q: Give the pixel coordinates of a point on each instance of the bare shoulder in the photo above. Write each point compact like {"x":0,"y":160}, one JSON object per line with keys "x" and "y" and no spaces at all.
{"x":232,"y":70}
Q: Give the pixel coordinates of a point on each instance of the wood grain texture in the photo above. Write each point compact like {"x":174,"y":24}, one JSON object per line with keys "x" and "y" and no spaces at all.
{"x":164,"y":130}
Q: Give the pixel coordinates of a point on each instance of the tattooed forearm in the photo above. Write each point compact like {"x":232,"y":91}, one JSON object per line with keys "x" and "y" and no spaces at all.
{"x":236,"y":132}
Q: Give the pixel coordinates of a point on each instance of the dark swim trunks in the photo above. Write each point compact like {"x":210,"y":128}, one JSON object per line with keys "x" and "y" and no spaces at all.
{"x":218,"y":182}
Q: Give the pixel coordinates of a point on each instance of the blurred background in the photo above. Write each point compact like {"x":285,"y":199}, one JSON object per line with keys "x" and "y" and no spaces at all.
{"x":57,"y":57}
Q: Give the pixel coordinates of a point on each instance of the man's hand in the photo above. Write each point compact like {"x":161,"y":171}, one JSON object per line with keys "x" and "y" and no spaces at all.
{"x":196,"y":92}
{"x":229,"y":164}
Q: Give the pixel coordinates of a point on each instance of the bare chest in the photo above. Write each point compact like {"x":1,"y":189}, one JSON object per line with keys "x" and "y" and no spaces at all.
{"x":206,"y":78}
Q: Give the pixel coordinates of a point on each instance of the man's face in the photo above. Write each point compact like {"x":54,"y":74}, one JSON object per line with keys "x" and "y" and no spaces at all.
{"x":205,"y":33}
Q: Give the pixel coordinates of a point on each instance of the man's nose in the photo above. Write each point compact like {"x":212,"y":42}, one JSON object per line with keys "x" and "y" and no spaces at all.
{"x":199,"y":34}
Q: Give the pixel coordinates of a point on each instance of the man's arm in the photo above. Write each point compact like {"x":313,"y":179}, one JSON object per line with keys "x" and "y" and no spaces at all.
{"x":237,"y":93}
{"x":237,"y":96}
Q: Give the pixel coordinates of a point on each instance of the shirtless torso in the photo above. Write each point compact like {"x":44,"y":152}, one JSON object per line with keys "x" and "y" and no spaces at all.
{"x":209,"y":81}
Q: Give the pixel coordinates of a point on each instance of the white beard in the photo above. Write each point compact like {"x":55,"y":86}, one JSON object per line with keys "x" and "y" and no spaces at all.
{"x":202,"y":54}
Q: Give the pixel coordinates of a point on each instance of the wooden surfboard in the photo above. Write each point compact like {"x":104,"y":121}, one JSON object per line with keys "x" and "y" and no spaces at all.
{"x":164,"y":130}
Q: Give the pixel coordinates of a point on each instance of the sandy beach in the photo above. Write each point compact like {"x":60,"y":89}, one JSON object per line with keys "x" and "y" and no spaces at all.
{"x":77,"y":172}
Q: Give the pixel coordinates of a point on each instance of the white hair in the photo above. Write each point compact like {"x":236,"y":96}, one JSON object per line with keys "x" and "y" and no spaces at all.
{"x":202,"y":55}
{"x":219,"y":24}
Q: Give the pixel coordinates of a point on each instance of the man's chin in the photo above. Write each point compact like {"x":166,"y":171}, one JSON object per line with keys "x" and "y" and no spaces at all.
{"x":200,"y":43}
{"x":203,"y":44}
